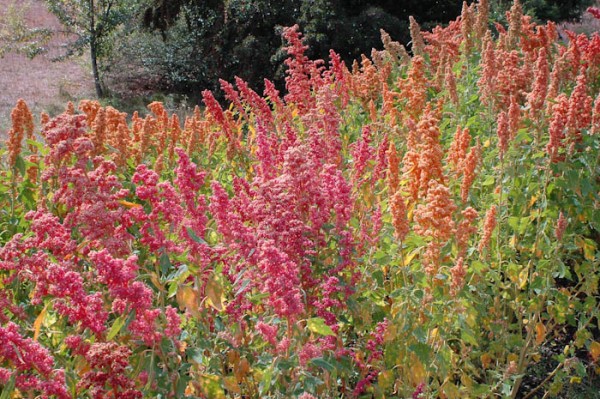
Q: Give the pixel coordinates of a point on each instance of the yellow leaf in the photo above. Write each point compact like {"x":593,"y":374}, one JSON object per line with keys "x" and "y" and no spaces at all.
{"x":416,"y":370}
{"x":472,"y":318}
{"x":386,"y":379}
{"x":391,"y":332}
{"x":128,"y":204}
{"x":523,"y":277}
{"x":367,"y":197}
{"x":210,"y":385}
{"x":189,"y":389}
{"x":156,"y":281}
{"x":241,"y":369}
{"x":466,"y":380}
{"x":587,"y":246}
{"x":595,"y":350}
{"x":486,"y":359}
{"x":410,"y":211}
{"x":450,"y":390}
{"x":37,"y":324}
{"x":540,"y":333}
{"x":410,"y":257}
{"x":214,"y":293}
{"x":231,"y":385}
{"x":532,"y":200}
{"x":187,"y":298}
{"x":252,"y":132}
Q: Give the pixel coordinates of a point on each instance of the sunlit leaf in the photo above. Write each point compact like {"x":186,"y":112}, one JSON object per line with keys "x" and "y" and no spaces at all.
{"x":523,"y":277}
{"x":416,"y":370}
{"x":128,"y":204}
{"x":540,"y":333}
{"x":588,"y":246}
{"x":37,"y":324}
{"x":187,"y":297}
{"x":231,"y":385}
{"x":317,"y":325}
{"x":214,"y":293}
{"x":595,"y":350}
{"x":116,"y":327}
{"x":265,"y":382}
{"x":210,"y":385}
{"x":408,"y":258}
{"x":486,"y":359}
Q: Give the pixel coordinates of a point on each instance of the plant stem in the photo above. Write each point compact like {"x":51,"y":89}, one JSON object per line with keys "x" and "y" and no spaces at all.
{"x":548,"y":378}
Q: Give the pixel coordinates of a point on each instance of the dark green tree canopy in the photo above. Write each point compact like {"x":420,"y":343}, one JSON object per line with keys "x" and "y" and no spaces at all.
{"x":210,"y":39}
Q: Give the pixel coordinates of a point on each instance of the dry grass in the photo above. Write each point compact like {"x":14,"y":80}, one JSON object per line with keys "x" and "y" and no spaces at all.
{"x":44,"y":84}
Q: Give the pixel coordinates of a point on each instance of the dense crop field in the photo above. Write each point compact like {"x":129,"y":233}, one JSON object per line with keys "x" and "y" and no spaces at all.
{"x":413,"y":226}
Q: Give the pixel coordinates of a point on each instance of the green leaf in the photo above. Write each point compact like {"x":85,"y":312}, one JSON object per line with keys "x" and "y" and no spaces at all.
{"x":165,"y":263}
{"x":10,"y":386}
{"x":420,"y":334}
{"x":468,"y":337}
{"x":488,"y":181}
{"x":195,"y":354}
{"x":243,"y":286}
{"x":322,"y":363}
{"x":195,"y":237}
{"x":318,"y":326}
{"x":257,"y":298}
{"x":20,"y":165}
{"x":36,"y":144}
{"x":116,"y":327}
{"x":265,"y":383}
{"x":422,"y":351}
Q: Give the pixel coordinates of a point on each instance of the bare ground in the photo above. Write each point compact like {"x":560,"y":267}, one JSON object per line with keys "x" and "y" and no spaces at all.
{"x":44,"y":84}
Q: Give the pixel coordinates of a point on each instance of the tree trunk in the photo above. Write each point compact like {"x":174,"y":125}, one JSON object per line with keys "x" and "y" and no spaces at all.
{"x":94,"y":51}
{"x":97,"y":82}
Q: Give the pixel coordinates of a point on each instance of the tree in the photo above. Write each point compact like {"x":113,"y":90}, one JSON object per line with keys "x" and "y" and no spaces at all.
{"x":208,"y":40}
{"x":544,"y":10}
{"x":16,"y":36}
{"x":204,"y":40}
{"x":91,"y":22}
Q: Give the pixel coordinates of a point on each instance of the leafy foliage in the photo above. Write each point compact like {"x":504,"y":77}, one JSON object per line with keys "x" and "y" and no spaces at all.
{"x":92,"y":24}
{"x":207,"y":41}
{"x":17,"y":36}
